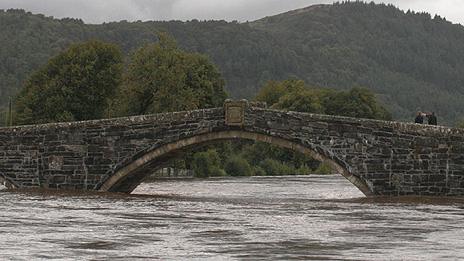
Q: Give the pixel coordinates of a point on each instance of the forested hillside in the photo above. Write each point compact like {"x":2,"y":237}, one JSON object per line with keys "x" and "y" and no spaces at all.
{"x":412,"y":61}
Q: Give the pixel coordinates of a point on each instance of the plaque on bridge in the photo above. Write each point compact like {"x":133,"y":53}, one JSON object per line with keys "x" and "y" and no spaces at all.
{"x":235,"y":112}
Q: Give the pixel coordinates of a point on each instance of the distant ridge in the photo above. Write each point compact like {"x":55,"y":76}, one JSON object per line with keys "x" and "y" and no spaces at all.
{"x":301,"y":10}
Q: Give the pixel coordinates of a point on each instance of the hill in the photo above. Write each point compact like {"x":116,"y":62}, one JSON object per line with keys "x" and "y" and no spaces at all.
{"x":411,"y":60}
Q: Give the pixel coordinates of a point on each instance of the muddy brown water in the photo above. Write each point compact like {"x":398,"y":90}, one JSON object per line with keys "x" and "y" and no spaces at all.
{"x":257,"y":218}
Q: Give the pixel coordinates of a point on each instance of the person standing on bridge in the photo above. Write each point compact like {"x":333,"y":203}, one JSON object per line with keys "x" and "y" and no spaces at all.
{"x":419,"y":118}
{"x":432,"y":118}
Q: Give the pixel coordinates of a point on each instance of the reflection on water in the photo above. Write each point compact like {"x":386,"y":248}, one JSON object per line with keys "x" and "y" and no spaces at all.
{"x":264,"y":218}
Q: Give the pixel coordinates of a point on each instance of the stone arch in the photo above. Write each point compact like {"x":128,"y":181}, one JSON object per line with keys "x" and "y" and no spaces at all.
{"x":128,"y":177}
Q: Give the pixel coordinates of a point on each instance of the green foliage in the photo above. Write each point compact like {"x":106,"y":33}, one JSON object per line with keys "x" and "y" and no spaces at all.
{"x":74,"y":85}
{"x":7,"y":117}
{"x":403,"y":57}
{"x":411,"y":60}
{"x":254,"y":154}
{"x":303,"y":101}
{"x":238,"y":166}
{"x":200,"y":165}
{"x":258,"y":171}
{"x":163,"y":78}
{"x":273,"y":167}
{"x":460,"y":124}
{"x":207,"y":164}
{"x":293,"y":95}
{"x":323,"y":169}
{"x":357,"y":102}
{"x":303,"y":170}
{"x":272,"y":91}
{"x":218,"y":172}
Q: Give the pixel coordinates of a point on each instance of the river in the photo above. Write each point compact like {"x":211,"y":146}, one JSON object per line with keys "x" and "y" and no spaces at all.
{"x":257,"y":218}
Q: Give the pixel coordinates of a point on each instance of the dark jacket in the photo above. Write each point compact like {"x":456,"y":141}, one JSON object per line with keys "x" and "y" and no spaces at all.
{"x":432,"y":119}
{"x":419,"y":119}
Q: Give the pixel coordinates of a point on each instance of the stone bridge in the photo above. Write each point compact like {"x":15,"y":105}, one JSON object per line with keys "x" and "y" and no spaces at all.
{"x":378,"y":157}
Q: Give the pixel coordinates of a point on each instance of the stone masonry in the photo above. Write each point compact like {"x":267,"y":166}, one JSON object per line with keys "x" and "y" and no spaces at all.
{"x":380,"y":158}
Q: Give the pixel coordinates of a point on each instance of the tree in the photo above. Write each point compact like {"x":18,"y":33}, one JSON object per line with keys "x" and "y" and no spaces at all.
{"x":272,"y":91}
{"x":274,"y":167}
{"x":206,"y":164}
{"x":237,"y":166}
{"x":74,"y":85}
{"x":302,"y":101}
{"x":357,"y":102}
{"x":294,"y":95}
{"x":163,"y":78}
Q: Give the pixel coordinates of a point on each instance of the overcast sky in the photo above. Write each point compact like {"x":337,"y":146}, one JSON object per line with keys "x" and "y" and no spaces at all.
{"x":99,"y":11}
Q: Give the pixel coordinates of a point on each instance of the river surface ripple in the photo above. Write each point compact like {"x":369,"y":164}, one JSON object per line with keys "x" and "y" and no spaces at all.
{"x":258,"y":218}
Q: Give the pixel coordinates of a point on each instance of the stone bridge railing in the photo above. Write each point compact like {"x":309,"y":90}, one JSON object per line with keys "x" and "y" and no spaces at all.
{"x":380,"y":158}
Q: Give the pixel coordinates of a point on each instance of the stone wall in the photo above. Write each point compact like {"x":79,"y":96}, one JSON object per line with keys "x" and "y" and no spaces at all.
{"x":393,"y":158}
{"x":81,"y":155}
{"x":380,"y":158}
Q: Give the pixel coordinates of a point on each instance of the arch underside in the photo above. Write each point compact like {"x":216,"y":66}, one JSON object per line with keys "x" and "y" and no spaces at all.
{"x":127,"y":178}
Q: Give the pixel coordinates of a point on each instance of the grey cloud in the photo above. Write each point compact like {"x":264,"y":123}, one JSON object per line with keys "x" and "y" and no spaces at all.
{"x":95,"y":11}
{"x":240,"y":10}
{"x":98,"y":11}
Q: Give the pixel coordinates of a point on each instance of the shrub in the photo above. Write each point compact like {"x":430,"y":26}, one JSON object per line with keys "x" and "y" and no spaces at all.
{"x":217,"y":172}
{"x":206,"y":164}
{"x":238,"y":166}
{"x":275,"y":168}
{"x":460,"y":124}
{"x":303,"y":170}
{"x":323,"y":169}
{"x":258,"y":171}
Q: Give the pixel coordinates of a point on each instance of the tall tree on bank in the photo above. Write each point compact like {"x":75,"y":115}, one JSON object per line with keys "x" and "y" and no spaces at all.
{"x":74,"y":85}
{"x":161,"y":78}
{"x":294,"y":95}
